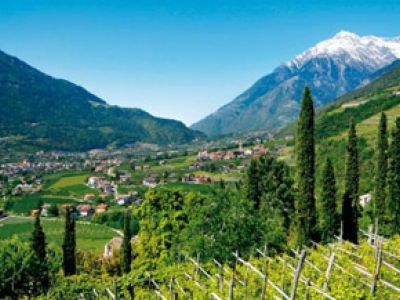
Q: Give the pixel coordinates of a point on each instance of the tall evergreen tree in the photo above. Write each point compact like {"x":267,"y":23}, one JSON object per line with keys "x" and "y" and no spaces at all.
{"x":38,"y":245}
{"x":69,"y":244}
{"x":328,"y":218}
{"x":275,"y":187}
{"x":305,"y":222}
{"x":350,"y":207}
{"x":393,"y":204}
{"x":253,"y":183}
{"x":126,"y":245}
{"x":381,"y":170}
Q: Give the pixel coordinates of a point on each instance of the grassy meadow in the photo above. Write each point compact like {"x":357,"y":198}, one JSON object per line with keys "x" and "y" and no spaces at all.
{"x":24,"y":204}
{"x":73,"y":186}
{"x":89,"y":237}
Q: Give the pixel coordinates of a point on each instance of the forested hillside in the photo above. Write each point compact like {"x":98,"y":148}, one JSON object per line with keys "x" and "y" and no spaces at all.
{"x":38,"y":112}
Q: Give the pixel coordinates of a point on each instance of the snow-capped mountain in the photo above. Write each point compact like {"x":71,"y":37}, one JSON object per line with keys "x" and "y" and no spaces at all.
{"x":331,"y":68}
{"x":374,"y":52}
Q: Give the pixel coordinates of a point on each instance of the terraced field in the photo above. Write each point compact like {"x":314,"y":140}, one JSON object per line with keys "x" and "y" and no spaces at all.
{"x":368,"y":128}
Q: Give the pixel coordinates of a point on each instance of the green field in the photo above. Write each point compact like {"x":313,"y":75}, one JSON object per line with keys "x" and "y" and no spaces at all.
{"x":60,"y":188}
{"x":89,"y":237}
{"x":188,"y":187}
{"x":70,"y":186}
{"x":24,"y":204}
{"x":68,"y":181}
{"x":368,"y":128}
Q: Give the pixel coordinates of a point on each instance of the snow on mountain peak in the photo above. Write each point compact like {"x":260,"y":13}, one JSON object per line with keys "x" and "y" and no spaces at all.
{"x":374,"y":52}
{"x":345,"y":34}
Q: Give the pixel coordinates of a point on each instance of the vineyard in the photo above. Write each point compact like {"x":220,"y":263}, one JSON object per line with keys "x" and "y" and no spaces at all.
{"x":341,"y":270}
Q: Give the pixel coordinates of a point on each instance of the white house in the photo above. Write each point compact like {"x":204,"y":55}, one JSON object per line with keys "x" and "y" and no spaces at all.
{"x":124,"y":176}
{"x":365,"y":199}
{"x":44,"y":212}
{"x":114,"y":244}
{"x":150,"y":182}
{"x":127,"y":198}
{"x":94,"y":182}
{"x":85,"y":210}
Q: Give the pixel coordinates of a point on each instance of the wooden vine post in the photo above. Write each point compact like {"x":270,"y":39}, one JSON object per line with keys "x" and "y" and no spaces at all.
{"x":174,"y":294}
{"x":246,"y":283}
{"x":232,"y":283}
{"x":375,"y":277}
{"x":328,"y":272}
{"x":297,"y":275}
{"x":370,"y":233}
{"x":220,"y":276}
{"x":265,"y":280}
{"x":341,"y":233}
{"x":96,"y":294}
{"x":284,"y":267}
{"x":117,"y":291}
{"x":196,"y":266}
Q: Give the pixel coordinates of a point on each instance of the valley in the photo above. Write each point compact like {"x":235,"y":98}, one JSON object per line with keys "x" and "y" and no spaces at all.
{"x":290,"y":191}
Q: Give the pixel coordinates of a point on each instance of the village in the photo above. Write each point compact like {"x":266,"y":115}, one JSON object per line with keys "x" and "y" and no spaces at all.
{"x":103,"y":182}
{"x":99,"y":184}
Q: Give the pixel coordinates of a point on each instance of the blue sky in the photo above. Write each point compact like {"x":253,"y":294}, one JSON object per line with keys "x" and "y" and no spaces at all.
{"x":177,"y":59}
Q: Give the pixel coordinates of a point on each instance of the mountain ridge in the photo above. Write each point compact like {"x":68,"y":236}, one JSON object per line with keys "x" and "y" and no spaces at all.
{"x":55,"y":114}
{"x":273,"y":100}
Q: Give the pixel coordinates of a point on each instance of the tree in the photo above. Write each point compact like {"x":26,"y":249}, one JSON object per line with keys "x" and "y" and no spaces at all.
{"x":381,"y":170}
{"x":161,"y":219}
{"x":221,"y":184}
{"x":350,"y":207}
{"x":69,"y":245}
{"x":126,"y":245}
{"x":305,"y":222}
{"x":393,"y":205}
{"x":328,"y":218}
{"x":53,"y":210}
{"x":269,"y":189}
{"x":17,"y":268}
{"x":38,"y":245}
{"x":39,"y":204}
{"x":213,"y":221}
{"x":253,"y":182}
{"x":276,"y":190}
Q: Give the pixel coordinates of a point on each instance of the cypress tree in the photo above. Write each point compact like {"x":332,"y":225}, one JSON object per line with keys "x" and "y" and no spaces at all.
{"x":253,"y":183}
{"x":69,"y":245}
{"x":38,"y":245}
{"x":305,"y":223}
{"x":222,"y":184}
{"x":126,"y":245}
{"x":350,"y":207}
{"x":393,"y":205}
{"x":381,"y":170}
{"x":328,"y":219}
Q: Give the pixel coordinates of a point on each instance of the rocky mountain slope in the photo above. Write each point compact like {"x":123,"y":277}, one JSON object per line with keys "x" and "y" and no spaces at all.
{"x":331,"y":69}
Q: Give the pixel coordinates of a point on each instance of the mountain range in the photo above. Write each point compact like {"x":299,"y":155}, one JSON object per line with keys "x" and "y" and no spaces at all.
{"x":38,"y":111}
{"x":331,"y":69}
